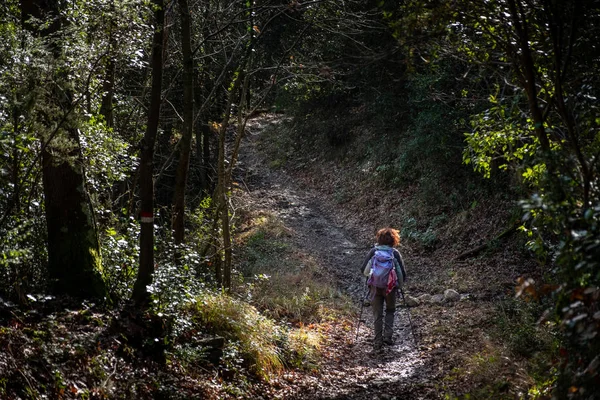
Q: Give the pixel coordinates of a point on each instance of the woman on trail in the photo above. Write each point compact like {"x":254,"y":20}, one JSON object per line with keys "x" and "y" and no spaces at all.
{"x":385,"y":268}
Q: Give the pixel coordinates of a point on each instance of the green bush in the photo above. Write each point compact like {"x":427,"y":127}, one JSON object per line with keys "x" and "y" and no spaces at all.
{"x":120,"y":253}
{"x":23,"y":254}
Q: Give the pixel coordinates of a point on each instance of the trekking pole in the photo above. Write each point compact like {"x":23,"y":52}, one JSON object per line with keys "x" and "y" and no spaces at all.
{"x":362,"y":307}
{"x":412,"y":328}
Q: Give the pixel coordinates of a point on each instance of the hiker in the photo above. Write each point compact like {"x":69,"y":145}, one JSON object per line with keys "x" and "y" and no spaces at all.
{"x":385,"y":268}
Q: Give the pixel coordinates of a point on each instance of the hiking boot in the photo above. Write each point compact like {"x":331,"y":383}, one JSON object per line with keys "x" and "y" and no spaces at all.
{"x":388,"y":341}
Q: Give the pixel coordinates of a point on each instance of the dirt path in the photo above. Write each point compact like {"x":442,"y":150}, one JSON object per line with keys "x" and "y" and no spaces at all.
{"x":351,"y":370}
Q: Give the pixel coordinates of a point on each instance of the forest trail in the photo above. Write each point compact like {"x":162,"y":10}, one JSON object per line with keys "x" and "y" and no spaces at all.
{"x":350,"y":370}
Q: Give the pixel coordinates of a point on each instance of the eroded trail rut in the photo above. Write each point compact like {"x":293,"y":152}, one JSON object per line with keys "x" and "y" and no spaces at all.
{"x":350,"y":371}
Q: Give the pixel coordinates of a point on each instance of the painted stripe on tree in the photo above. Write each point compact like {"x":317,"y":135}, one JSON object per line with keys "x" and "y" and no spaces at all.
{"x":147,"y":217}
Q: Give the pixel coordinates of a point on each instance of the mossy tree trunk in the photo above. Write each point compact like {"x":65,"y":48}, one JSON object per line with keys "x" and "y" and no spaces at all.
{"x":74,"y":263}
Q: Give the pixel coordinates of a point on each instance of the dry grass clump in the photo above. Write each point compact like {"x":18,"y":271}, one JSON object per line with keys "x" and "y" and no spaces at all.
{"x":264,"y":346}
{"x":266,"y":224}
{"x":239,"y":322}
{"x":303,"y":348}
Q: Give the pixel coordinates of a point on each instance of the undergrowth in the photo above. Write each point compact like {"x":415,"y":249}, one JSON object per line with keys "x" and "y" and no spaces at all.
{"x":283,"y":282}
{"x":270,"y":320}
{"x":250,"y":335}
{"x":267,"y":324}
{"x":255,"y":342}
{"x":516,"y":359}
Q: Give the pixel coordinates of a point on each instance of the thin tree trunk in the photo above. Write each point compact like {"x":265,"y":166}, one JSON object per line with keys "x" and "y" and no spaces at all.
{"x":228,"y":259}
{"x":222,"y":172}
{"x":206,"y":156}
{"x":199,"y":157}
{"x":15,"y":172}
{"x":528,"y":81}
{"x":560,"y":68}
{"x":16,"y":200}
{"x":146,"y":268}
{"x":241,"y":128}
{"x":108,"y":86}
{"x":222,"y":206}
{"x":223,"y":185}
{"x":203,"y":152}
{"x":188,"y":125}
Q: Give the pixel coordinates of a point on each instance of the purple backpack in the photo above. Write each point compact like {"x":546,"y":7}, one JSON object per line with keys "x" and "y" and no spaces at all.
{"x":382,"y":264}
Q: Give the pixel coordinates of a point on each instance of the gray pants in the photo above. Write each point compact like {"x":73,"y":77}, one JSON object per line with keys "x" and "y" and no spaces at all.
{"x":384,"y":326}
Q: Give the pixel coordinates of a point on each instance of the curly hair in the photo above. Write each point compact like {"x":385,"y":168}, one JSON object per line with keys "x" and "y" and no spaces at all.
{"x":388,"y":236}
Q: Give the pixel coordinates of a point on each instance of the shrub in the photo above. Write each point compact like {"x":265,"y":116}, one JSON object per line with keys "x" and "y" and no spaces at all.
{"x":426,"y":238}
{"x":120,"y":252}
{"x":23,"y":254}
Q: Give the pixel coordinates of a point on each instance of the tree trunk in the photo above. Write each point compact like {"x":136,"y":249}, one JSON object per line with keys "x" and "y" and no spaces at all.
{"x":528,"y":70}
{"x":16,"y":197}
{"x":201,"y":142}
{"x":228,"y":259}
{"x":146,"y":268}
{"x":561,"y":63}
{"x":74,"y":262}
{"x":223,"y":187}
{"x":188,"y":125}
{"x":204,"y":132}
{"x":221,"y":201}
{"x":108,"y":88}
{"x":528,"y":81}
